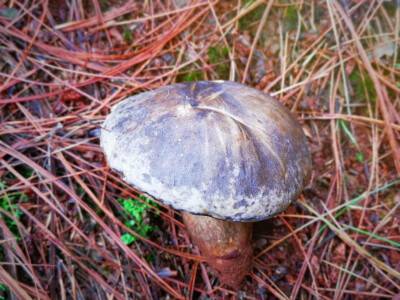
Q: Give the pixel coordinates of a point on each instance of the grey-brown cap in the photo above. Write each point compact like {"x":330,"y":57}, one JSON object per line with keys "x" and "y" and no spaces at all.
{"x":215,"y":148}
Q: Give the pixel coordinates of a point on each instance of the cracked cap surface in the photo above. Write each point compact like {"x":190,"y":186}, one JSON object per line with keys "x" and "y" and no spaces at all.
{"x":215,"y":148}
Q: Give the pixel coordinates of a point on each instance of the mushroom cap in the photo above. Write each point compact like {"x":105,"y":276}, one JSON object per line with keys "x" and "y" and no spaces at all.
{"x":214,"y":148}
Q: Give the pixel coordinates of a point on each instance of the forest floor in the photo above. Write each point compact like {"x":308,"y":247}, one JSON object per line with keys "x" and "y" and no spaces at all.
{"x":70,"y":228}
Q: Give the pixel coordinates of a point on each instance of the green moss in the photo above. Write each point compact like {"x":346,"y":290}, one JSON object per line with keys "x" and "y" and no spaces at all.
{"x":217,"y":55}
{"x":189,"y":73}
{"x":253,"y":16}
{"x":190,"y":76}
{"x":361,"y":86}
{"x":291,"y":18}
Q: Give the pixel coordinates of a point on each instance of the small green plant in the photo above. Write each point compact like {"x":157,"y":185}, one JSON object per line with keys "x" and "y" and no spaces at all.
{"x":136,"y":212}
{"x":3,"y":290}
{"x":10,"y":204}
{"x":128,"y":37}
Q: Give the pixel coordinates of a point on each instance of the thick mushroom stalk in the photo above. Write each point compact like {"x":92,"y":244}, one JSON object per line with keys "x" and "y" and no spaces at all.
{"x":226,"y":246}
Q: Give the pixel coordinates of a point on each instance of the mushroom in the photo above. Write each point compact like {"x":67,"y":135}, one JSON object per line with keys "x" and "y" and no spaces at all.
{"x":222,"y":153}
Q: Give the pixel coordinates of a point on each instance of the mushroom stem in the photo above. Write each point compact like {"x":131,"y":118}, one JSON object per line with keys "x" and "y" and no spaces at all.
{"x":226,"y":246}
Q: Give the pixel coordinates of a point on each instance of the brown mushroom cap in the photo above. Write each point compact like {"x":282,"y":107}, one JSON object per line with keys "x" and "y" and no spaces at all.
{"x":220,"y":149}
